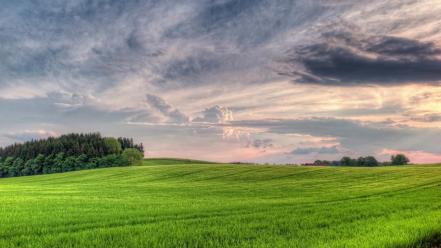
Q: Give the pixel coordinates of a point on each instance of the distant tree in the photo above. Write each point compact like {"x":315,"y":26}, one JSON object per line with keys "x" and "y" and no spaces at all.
{"x":28,"y":168}
{"x":322,"y":162}
{"x":335,"y":163}
{"x":13,"y":164}
{"x":133,"y":156}
{"x":37,"y":164}
{"x":7,"y":166}
{"x":370,"y":161}
{"x":347,"y":161}
{"x":112,"y":146}
{"x":3,"y":169}
{"x":104,"y":162}
{"x":93,"y":163}
{"x":58,"y":163}
{"x":128,"y":143}
{"x":81,"y":162}
{"x":26,"y":171}
{"x":399,"y":159}
{"x":92,"y":144}
{"x":48,"y":164}
{"x":68,"y":164}
{"x":361,"y":161}
{"x":317,"y":162}
{"x":67,"y":153}
{"x":140,"y":147}
{"x":18,"y":166}
{"x":122,"y":161}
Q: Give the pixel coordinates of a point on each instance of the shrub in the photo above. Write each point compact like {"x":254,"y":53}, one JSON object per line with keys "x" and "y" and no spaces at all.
{"x":133,"y":156}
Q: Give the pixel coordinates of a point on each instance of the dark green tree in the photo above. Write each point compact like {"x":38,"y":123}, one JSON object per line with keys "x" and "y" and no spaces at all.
{"x":399,"y":159}
{"x":37,"y":164}
{"x":27,"y":168}
{"x":81,"y":162}
{"x":370,"y":161}
{"x":67,"y":153}
{"x":348,"y":161}
{"x":69,"y":164}
{"x":57,"y":165}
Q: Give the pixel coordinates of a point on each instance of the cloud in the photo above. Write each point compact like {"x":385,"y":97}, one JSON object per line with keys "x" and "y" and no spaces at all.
{"x":261,"y":143}
{"x":88,"y":65}
{"x":159,"y":111}
{"x":59,"y":110}
{"x":215,"y":114}
{"x":346,"y":57}
{"x":355,"y":136}
{"x":28,"y":135}
{"x":70,"y":100}
{"x":415,"y":156}
{"x":434,"y":117}
{"x":166,"y":109}
{"x":97,"y":45}
{"x":315,"y":150}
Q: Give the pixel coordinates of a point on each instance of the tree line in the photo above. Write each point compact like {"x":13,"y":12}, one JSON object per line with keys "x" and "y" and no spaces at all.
{"x":368,"y":161}
{"x":68,"y":153}
{"x":90,"y":144}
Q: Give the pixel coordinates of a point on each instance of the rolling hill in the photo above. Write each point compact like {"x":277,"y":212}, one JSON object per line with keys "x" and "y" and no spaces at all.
{"x":173,"y":203}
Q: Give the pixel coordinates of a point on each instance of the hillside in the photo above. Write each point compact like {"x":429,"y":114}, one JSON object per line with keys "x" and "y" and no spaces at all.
{"x":170,"y":204}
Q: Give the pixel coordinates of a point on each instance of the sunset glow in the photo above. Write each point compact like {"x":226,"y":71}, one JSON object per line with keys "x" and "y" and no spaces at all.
{"x":261,"y":81}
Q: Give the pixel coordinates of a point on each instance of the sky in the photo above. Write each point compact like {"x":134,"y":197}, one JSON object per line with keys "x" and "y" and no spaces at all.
{"x":268,"y":81}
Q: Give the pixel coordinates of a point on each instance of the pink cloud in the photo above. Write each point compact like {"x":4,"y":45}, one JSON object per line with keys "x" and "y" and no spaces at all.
{"x":418,"y":157}
{"x":28,"y":135}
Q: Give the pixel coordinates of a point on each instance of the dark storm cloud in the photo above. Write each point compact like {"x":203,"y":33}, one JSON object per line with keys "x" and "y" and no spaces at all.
{"x":346,"y":57}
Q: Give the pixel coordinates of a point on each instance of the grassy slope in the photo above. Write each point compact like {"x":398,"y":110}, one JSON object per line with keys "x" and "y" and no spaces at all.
{"x":222,"y":205}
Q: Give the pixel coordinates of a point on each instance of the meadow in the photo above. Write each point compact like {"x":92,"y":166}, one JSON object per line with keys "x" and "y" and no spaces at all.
{"x":173,"y":203}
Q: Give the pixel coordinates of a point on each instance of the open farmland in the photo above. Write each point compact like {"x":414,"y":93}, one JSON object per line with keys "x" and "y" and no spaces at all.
{"x":167,"y":203}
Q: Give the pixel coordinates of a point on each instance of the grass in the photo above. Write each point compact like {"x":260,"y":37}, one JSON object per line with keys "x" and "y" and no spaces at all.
{"x":174,"y":204}
{"x":174,"y":161}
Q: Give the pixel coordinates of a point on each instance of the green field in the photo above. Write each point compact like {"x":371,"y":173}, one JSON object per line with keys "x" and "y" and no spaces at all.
{"x":171,"y":204}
